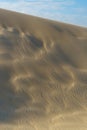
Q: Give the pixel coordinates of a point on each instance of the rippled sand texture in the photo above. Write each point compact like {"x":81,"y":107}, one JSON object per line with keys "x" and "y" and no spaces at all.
{"x":43,"y":74}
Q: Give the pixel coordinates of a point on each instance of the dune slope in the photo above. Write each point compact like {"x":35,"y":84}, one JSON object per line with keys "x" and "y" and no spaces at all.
{"x":43,"y":74}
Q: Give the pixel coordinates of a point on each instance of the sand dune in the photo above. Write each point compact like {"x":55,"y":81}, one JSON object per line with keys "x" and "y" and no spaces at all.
{"x":43,"y":74}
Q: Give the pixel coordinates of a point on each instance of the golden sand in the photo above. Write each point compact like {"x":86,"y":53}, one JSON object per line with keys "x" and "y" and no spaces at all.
{"x":43,"y":74}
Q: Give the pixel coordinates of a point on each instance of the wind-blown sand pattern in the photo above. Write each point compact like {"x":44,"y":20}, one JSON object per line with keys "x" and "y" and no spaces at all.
{"x":43,"y":74}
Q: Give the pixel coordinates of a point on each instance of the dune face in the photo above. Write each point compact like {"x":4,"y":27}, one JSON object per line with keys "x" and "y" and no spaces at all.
{"x":43,"y":74}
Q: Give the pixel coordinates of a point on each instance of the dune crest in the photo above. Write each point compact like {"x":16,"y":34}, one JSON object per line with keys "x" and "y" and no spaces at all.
{"x":43,"y":74}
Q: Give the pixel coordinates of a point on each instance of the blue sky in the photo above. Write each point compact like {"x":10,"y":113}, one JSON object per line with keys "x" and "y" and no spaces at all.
{"x":69,"y":11}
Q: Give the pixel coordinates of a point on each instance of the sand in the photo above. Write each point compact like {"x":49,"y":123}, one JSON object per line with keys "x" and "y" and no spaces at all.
{"x":43,"y":74}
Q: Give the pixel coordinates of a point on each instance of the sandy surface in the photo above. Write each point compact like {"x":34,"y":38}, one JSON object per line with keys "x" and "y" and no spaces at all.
{"x":43,"y":74}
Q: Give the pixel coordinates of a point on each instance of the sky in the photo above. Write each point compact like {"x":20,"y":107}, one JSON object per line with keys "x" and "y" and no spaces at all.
{"x":68,"y":11}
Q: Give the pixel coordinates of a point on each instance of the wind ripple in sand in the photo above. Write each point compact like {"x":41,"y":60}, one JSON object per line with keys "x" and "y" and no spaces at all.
{"x":43,"y":76}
